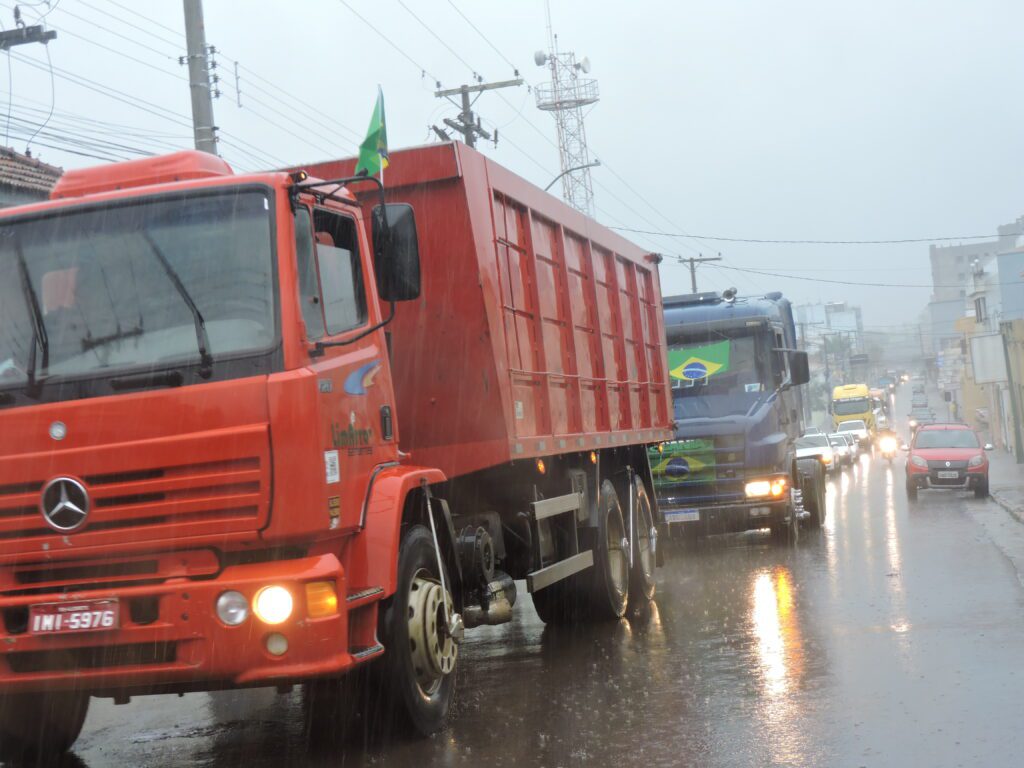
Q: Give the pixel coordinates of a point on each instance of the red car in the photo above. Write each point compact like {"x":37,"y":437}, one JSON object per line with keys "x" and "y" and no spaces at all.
{"x":947,"y":456}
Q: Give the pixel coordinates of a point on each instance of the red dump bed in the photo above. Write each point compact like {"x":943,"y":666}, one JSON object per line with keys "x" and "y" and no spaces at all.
{"x":538,"y":331}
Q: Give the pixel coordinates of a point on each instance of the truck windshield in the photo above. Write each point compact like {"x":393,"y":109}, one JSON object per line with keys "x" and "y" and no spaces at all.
{"x":89,"y":292}
{"x":716,"y":376}
{"x":851,"y":406}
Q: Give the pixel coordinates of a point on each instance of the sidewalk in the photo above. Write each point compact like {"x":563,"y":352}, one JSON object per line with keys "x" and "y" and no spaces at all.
{"x":1006,"y":482}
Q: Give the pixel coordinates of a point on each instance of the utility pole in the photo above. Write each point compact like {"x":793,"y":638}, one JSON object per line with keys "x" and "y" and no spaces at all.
{"x":467,"y":123}
{"x":1005,"y":329}
{"x":694,"y":261}
{"x":199,"y":78}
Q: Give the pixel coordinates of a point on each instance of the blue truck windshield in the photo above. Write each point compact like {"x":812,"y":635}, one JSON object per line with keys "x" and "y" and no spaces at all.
{"x":716,"y":377}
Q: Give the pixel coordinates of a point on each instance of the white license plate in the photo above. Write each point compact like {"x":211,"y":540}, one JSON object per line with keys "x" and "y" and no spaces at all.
{"x":946,"y":474}
{"x":683,"y":516}
{"x":82,"y":616}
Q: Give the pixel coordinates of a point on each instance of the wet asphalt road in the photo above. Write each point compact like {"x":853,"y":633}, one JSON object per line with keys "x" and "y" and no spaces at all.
{"x":893,"y":637}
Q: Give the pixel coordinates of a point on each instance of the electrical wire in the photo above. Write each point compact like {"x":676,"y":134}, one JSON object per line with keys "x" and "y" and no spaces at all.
{"x":53,"y":99}
{"x":482,"y":35}
{"x":898,"y":241}
{"x":423,"y":70}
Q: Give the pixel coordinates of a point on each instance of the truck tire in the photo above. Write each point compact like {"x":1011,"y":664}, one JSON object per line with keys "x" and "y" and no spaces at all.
{"x":39,"y":727}
{"x":788,"y":532}
{"x":641,"y":577}
{"x":560,"y":603}
{"x":609,"y":594}
{"x":812,"y":484}
{"x":420,"y":660}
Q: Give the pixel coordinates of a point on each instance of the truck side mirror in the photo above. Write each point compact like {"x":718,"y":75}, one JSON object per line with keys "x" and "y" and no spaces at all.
{"x":799,"y":368}
{"x":396,"y":252}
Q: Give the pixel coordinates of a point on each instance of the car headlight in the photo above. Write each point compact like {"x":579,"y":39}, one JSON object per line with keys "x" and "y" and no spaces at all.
{"x":976,"y":461}
{"x":917,"y":461}
{"x":887,"y":444}
{"x":912,"y":423}
{"x":273,"y":605}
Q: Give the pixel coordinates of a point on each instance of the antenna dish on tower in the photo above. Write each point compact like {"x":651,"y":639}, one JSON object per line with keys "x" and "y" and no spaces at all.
{"x":540,"y":58}
{"x":585,"y":65}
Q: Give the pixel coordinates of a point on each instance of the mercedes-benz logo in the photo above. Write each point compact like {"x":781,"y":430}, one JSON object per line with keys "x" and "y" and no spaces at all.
{"x":64,"y":504}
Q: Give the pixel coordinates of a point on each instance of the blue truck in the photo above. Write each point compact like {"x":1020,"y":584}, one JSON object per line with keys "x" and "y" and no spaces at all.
{"x":737,"y":377}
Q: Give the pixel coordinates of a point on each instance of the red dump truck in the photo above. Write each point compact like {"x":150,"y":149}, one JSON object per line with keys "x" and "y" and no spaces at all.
{"x":268,"y":429}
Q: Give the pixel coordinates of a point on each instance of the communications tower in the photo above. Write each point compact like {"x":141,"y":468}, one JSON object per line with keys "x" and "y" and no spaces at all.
{"x":565,"y":97}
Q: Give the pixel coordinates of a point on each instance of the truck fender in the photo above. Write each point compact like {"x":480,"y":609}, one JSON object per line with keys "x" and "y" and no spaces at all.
{"x":373,"y":557}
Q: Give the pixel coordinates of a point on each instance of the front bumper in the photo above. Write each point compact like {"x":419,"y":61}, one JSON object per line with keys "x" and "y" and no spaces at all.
{"x":966,"y":480}
{"x":181,"y":645}
{"x":729,"y":518}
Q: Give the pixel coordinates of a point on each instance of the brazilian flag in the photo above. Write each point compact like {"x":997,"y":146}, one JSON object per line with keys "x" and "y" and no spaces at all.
{"x":698,"y":363}
{"x":373,"y":152}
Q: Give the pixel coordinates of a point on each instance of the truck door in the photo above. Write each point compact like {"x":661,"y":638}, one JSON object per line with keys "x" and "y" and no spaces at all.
{"x":354,"y":392}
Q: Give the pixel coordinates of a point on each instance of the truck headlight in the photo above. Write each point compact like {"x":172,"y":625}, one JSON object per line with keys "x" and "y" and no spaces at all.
{"x":778,"y":486}
{"x":917,"y":461}
{"x":758,"y":488}
{"x":232,"y":608}
{"x":273,"y":605}
{"x":826,"y":457}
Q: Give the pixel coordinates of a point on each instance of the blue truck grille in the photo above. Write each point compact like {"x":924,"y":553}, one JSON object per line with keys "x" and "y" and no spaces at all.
{"x":700,"y":472}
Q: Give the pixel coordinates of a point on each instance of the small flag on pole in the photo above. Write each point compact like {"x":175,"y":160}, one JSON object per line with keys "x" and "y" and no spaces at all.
{"x":373,"y":152}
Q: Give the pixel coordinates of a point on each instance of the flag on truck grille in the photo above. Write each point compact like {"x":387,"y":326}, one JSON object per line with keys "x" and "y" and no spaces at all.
{"x":696,"y":363}
{"x":373,"y":152}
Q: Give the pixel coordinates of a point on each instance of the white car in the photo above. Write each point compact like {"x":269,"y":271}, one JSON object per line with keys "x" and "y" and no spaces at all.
{"x":858,"y":429}
{"x":816,"y":446}
{"x":842,"y":449}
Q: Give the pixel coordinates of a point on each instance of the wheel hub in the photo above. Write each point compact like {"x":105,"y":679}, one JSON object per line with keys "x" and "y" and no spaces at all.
{"x":432,"y":647}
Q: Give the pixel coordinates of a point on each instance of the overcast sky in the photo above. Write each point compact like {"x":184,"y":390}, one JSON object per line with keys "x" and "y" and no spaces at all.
{"x":788,"y":119}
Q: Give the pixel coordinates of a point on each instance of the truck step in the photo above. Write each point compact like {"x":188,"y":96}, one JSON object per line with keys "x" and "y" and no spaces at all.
{"x":563,"y":569}
{"x":355,"y":599}
{"x":361,"y":654}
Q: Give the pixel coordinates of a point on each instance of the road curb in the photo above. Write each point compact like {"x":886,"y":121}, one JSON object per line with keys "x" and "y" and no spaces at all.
{"x":1016,"y":512}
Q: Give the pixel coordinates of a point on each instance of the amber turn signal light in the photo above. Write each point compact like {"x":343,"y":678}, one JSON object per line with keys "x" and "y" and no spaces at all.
{"x":321,"y":599}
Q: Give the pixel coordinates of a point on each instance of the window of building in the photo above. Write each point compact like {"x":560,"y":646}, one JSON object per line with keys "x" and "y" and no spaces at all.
{"x":980,"y":310}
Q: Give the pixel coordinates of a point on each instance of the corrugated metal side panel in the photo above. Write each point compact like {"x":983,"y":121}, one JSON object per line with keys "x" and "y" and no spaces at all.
{"x":582,"y":326}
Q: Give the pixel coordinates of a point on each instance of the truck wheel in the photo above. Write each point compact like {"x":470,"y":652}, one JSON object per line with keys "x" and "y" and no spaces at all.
{"x":788,"y":532}
{"x":610,"y":586}
{"x":40,"y":727}
{"x":560,"y":603}
{"x":641,"y":577}
{"x":419,"y":664}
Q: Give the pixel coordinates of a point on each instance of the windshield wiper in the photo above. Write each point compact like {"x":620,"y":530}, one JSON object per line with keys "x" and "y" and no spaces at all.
{"x":40,"y":340}
{"x":202,"y":339}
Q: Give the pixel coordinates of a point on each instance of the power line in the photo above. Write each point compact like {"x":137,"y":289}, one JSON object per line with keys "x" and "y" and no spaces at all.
{"x":151,"y":20}
{"x":485,"y":38}
{"x":898,"y":241}
{"x":423,"y":70}
{"x":840,"y":282}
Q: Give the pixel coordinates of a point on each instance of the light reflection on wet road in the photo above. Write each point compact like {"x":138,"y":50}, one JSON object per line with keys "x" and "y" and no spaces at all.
{"x":892,"y":637}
